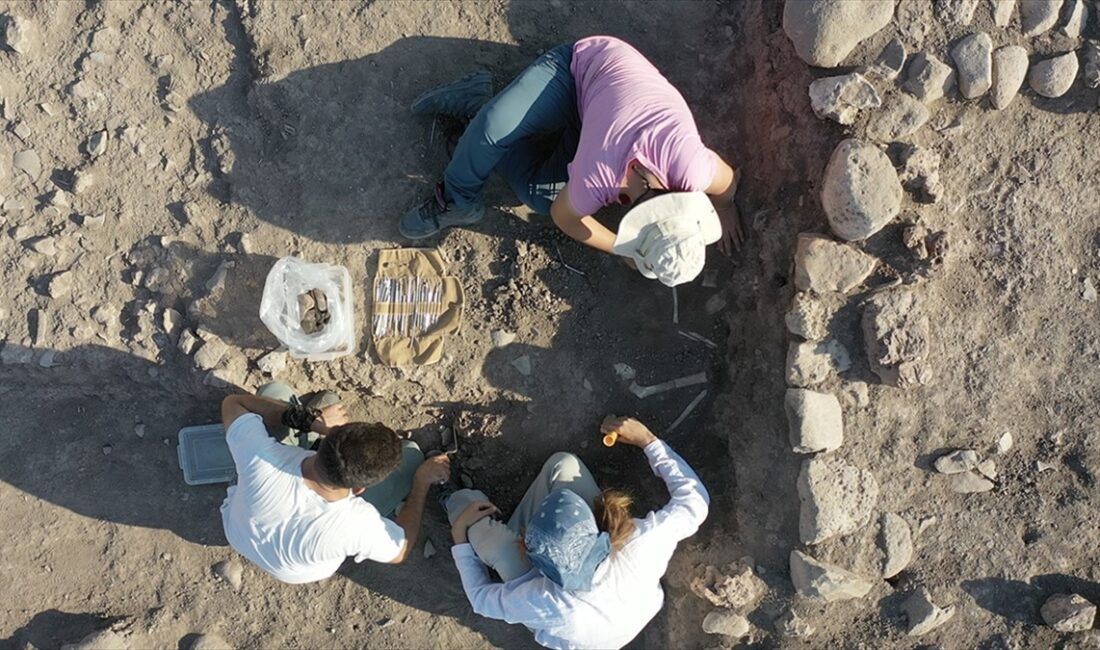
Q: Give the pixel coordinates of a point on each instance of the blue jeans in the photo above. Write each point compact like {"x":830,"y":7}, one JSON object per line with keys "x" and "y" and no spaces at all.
{"x":505,"y":136}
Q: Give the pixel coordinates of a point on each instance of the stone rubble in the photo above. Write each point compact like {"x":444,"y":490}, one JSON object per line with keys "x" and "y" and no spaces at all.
{"x":1009,"y":71}
{"x":790,"y":624}
{"x":925,"y":616}
{"x":1038,"y":16}
{"x":920,"y":173}
{"x":825,"y":582}
{"x":973,"y":56}
{"x":273,"y":362}
{"x":836,"y":498}
{"x":988,"y":469}
{"x":861,"y":192}
{"x":1053,"y":77}
{"x":736,"y":586}
{"x":20,"y":35}
{"x":810,"y":363}
{"x":824,"y":32}
{"x":187,"y":341}
{"x":808,"y":316}
{"x":896,"y":541}
{"x":956,"y":462}
{"x":1002,"y":12}
{"x":929,"y":78}
{"x":955,"y":13}
{"x":1068,"y":613}
{"x":211,"y":353}
{"x":895,"y":331}
{"x":824,"y":266}
{"x":970,"y":483}
{"x":815,"y":421}
{"x":842,"y":98}
{"x":27,"y":161}
{"x":902,"y":117}
{"x":726,"y":623}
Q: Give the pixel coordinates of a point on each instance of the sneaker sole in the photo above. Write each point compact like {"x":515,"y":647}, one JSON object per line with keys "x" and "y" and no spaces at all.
{"x":478,"y":81}
{"x":444,"y":224}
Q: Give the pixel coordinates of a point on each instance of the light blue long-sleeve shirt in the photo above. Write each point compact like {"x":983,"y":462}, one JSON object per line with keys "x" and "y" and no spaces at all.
{"x":626,"y":590}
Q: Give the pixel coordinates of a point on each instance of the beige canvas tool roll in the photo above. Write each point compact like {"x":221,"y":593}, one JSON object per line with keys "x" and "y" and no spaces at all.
{"x":415,"y":306}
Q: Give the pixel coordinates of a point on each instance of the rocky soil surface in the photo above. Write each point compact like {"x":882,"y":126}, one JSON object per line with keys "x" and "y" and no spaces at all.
{"x":898,"y":423}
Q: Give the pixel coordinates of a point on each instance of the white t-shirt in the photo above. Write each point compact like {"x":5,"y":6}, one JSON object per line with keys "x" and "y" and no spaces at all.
{"x":272,"y":517}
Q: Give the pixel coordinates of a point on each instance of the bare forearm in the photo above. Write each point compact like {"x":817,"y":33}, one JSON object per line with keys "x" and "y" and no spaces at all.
{"x":588,"y":231}
{"x":412,"y":514}
{"x":724,"y":186}
{"x":269,"y":409}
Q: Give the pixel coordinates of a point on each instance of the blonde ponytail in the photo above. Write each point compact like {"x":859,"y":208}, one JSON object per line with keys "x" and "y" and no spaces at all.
{"x":613,"y":517}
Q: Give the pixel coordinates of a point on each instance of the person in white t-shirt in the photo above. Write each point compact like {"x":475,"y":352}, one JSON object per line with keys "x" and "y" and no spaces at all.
{"x":578,"y":570}
{"x":298,"y":513}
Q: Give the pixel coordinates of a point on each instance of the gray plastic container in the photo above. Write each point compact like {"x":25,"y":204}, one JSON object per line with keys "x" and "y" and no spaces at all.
{"x":204,"y":455}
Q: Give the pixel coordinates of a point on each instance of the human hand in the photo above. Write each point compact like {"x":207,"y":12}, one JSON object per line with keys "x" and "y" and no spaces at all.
{"x":331,"y":416}
{"x":732,"y":235}
{"x":631,"y":431}
{"x":436,"y":469}
{"x":473,"y":513}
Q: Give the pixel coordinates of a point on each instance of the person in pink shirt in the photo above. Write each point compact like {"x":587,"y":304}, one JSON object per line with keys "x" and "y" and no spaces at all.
{"x":619,"y":133}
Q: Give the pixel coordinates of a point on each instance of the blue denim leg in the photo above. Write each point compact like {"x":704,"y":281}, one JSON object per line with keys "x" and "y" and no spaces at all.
{"x":538,"y":176}
{"x":541,"y":100}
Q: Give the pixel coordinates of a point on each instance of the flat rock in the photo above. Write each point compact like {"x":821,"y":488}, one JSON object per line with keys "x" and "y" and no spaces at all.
{"x":501,"y":338}
{"x":27,"y":161}
{"x":97,"y":144}
{"x":896,"y":540}
{"x":895,"y":331}
{"x":735,"y":586}
{"x":790,"y":624}
{"x":929,"y":78}
{"x":810,"y":363}
{"x":210,"y":642}
{"x":187,"y":341}
{"x":231,"y":572}
{"x":824,"y":32}
{"x":970,"y":483}
{"x":1009,"y":70}
{"x":1038,"y":16}
{"x":210,"y":354}
{"x":726,"y":623}
{"x":822,"y":265}
{"x":1053,"y":77}
{"x":823,"y":581}
{"x":808,"y":316}
{"x":901,"y":116}
{"x":920,"y":174}
{"x":956,"y":462}
{"x":842,"y":98}
{"x":60,"y":284}
{"x":1076,"y":19}
{"x":861,"y":192}
{"x":815,"y":421}
{"x":955,"y":13}
{"x":988,"y":469}
{"x":1068,"y":613}
{"x":973,"y":56}
{"x":20,"y":35}
{"x":836,"y":498}
{"x":1002,"y":12}
{"x":1004,"y":443}
{"x":924,"y":616}
{"x":273,"y":362}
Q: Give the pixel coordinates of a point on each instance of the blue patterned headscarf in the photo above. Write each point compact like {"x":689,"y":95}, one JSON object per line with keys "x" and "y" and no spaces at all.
{"x":563,"y":541}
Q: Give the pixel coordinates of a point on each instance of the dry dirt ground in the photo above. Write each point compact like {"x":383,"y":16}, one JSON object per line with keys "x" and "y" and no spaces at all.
{"x":288,"y":121}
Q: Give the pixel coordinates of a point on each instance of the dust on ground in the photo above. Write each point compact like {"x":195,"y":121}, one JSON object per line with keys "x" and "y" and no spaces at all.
{"x":288,"y":122}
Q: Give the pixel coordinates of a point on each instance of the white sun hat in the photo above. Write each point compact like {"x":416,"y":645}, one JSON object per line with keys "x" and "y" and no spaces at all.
{"x":667,"y":236}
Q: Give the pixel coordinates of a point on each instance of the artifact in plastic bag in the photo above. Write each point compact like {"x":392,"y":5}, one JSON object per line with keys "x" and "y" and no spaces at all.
{"x":309,"y":308}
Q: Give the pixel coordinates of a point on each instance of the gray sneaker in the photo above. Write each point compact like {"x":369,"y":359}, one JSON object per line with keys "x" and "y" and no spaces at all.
{"x":462,"y":98}
{"x":435,"y":214}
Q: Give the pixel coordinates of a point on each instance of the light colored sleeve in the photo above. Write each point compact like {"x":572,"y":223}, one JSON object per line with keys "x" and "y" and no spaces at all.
{"x":375,"y":537}
{"x":690,"y":502}
{"x":530,"y":599}
{"x":247,"y":438}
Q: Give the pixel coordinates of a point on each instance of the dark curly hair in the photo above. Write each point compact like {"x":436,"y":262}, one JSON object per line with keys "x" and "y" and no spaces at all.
{"x":358,"y":455}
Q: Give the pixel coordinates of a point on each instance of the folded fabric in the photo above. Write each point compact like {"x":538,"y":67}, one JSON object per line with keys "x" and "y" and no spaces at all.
{"x":414,"y":306}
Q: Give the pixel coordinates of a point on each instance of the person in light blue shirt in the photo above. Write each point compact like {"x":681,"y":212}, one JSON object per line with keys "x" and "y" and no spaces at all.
{"x":577,"y":569}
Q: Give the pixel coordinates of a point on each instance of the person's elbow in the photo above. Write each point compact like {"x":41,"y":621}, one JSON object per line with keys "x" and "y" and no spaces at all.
{"x":402,"y":555}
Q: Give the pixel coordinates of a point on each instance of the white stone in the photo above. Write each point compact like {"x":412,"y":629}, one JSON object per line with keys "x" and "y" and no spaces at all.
{"x":956,"y":462}
{"x":826,"y":582}
{"x":824,"y":32}
{"x":273,"y":362}
{"x":924,"y":616}
{"x":988,"y":469}
{"x":726,"y":623}
{"x":209,"y":642}
{"x":1038,"y":16}
{"x":97,"y":144}
{"x":1068,"y":613}
{"x":822,"y":265}
{"x":970,"y":483}
{"x":43,"y":246}
{"x":808,"y":317}
{"x":1076,"y":20}
{"x":1002,"y":12}
{"x":187,"y":341}
{"x":836,"y":498}
{"x":735,"y":586}
{"x":810,"y":363}
{"x":28,"y":162}
{"x":861,"y":192}
{"x":217,"y":281}
{"x":1053,"y":77}
{"x":896,"y":540}
{"x":973,"y":56}
{"x":842,"y":98}
{"x":1009,"y":71}
{"x":928,"y":78}
{"x":955,"y":13}
{"x":501,"y":338}
{"x":60,"y":284}
{"x":815,"y":421}
{"x":83,"y":180}
{"x":20,"y":35}
{"x":790,"y":624}
{"x":1004,"y":443}
{"x":231,"y":572}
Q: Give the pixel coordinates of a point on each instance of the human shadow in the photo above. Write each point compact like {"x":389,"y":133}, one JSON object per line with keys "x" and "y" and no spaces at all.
{"x":53,"y":627}
{"x":332,"y":152}
{"x":1020,"y":601}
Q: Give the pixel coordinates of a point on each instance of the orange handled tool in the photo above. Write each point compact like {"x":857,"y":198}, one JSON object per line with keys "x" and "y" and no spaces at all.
{"x":610,"y":439}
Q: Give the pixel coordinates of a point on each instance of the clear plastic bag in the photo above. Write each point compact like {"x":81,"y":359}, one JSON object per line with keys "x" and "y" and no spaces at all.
{"x":289,"y":278}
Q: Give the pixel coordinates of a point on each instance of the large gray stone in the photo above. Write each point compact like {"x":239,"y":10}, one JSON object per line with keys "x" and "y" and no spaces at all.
{"x":924,"y":616}
{"x":815,"y":421}
{"x":1068,"y":613}
{"x":861,"y":192}
{"x":928,"y":78}
{"x":812,"y":362}
{"x":1076,"y":19}
{"x":726,"y":623}
{"x":1053,"y":77}
{"x":1038,"y":16}
{"x":823,"y":581}
{"x":735,"y":586}
{"x":955,"y":13}
{"x":895,"y":331}
{"x":842,"y":98}
{"x":973,"y":56}
{"x":896,"y":540}
{"x":1002,"y":12}
{"x":822,"y":265}
{"x":1009,"y":70}
{"x":824,"y":32}
{"x":836,"y":498}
